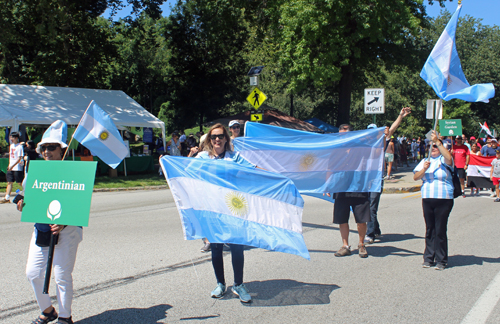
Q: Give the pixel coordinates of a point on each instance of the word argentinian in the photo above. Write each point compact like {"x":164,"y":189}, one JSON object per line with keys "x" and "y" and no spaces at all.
{"x":61,"y":185}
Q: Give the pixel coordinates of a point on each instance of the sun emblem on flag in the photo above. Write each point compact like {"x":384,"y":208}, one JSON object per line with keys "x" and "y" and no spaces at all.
{"x":104,"y":135}
{"x":236,"y":203}
{"x":449,"y":80}
{"x":307,"y":161}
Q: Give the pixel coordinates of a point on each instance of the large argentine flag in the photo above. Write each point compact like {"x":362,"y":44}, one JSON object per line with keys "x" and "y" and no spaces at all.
{"x":230,"y":203}
{"x":443,"y":71}
{"x":98,"y":133}
{"x":321,"y":163}
{"x":263,"y":130}
{"x":478,"y":171}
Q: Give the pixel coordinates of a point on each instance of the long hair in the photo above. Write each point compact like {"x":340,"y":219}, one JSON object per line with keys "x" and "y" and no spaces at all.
{"x":207,"y":144}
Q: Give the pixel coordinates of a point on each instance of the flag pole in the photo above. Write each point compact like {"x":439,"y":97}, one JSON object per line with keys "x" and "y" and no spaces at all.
{"x":71,"y":140}
{"x":438,"y":109}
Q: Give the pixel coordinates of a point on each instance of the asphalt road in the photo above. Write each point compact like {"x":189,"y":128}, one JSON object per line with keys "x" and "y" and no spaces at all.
{"x":134,"y":266}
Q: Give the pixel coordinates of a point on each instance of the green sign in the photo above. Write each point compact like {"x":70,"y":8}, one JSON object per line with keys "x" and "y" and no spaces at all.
{"x":448,"y":127}
{"x":59,"y":192}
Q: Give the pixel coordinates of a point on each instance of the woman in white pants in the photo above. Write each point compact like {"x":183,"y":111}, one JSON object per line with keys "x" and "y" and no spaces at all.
{"x":52,"y":147}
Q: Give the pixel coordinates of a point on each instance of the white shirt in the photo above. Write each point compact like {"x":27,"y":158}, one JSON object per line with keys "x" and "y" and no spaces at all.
{"x":16,"y":151}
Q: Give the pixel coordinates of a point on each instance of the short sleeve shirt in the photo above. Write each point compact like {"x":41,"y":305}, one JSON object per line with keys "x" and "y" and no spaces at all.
{"x":496,"y":168}
{"x":15,"y":152}
{"x":488,"y":151}
{"x":437,"y":180}
{"x":460,"y":153}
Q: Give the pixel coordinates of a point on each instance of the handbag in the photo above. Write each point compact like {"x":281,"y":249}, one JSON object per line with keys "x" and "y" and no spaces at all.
{"x":457,"y":187}
{"x":43,"y":238}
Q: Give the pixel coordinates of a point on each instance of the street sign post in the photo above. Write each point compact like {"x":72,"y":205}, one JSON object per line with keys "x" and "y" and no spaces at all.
{"x":450,"y":127}
{"x":374,"y":101}
{"x":256,"y":98}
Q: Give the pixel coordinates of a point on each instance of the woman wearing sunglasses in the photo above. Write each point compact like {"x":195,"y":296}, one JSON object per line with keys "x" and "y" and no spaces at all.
{"x":437,"y":202}
{"x":52,"y":148}
{"x":217,"y":146}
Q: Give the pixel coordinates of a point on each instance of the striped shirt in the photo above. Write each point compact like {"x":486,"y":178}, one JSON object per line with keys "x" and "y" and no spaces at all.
{"x":437,"y":180}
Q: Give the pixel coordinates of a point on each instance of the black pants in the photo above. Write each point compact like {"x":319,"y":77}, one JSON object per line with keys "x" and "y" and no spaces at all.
{"x":436,"y":213}
{"x":218,"y":262}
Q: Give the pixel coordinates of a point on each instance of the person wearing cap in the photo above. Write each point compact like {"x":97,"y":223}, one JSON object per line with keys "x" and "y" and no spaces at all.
{"x":234,"y":127}
{"x":52,"y":147}
{"x":490,"y":148}
{"x":460,"y":154}
{"x":15,"y":171}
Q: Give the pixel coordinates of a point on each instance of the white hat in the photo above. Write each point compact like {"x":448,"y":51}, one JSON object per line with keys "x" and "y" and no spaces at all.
{"x":371,"y":126}
{"x":202,"y":138}
{"x":233,"y":122}
{"x":56,"y":133}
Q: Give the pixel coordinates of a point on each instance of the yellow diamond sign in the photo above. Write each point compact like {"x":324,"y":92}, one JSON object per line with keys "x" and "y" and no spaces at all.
{"x":256,"y":117}
{"x":256,"y":98}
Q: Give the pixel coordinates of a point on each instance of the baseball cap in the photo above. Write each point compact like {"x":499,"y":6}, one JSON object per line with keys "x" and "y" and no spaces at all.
{"x":233,"y":122}
{"x":494,"y":140}
{"x":371,"y":126}
{"x":458,"y":137}
{"x":472,"y":138}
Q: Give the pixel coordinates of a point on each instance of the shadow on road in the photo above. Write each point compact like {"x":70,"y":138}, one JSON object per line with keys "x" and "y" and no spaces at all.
{"x":149,"y":315}
{"x":396,"y":237}
{"x":285,"y":292}
{"x":375,"y":250}
{"x":467,"y":260}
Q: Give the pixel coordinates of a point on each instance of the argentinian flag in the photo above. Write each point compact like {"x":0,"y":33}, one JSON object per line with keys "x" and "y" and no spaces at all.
{"x":230,"y":203}
{"x":443,"y":71}
{"x":97,"y":132}
{"x":318,"y":163}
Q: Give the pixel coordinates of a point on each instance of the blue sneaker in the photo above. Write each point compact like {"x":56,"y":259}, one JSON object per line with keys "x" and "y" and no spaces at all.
{"x":219,"y":291}
{"x":242,"y":292}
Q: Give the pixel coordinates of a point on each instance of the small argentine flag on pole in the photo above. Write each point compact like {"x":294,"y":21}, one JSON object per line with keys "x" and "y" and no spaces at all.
{"x":443,"y":71}
{"x":97,"y":132}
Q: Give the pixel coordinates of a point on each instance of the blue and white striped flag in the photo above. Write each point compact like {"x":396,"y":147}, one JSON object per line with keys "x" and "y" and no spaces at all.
{"x":320,"y":163}
{"x":443,"y":71}
{"x":98,"y":133}
{"x":230,"y":203}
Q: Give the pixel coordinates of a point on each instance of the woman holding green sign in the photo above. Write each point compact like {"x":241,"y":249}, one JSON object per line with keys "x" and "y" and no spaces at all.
{"x":52,"y":147}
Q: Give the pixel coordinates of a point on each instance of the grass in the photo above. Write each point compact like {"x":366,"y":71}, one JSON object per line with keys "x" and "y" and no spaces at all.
{"x":105,"y":182}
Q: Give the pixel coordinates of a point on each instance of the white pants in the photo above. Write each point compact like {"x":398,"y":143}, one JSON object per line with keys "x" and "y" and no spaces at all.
{"x":63,"y":263}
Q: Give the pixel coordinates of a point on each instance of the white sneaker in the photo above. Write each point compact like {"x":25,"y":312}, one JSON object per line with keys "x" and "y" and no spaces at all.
{"x":493,"y":195}
{"x":369,"y":240}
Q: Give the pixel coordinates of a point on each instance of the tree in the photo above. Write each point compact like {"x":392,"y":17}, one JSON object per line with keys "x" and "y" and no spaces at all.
{"x":331,"y":43}
{"x":206,"y":38}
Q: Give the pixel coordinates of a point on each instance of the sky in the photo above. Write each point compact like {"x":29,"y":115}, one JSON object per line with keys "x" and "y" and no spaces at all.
{"x":485,"y":9}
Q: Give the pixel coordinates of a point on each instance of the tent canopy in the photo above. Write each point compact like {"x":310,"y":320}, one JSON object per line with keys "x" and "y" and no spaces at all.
{"x":37,"y":105}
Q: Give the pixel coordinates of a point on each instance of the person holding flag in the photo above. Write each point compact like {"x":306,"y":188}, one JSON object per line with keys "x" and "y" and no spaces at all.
{"x":217,"y":145}
{"x":52,"y":147}
{"x":437,"y":201}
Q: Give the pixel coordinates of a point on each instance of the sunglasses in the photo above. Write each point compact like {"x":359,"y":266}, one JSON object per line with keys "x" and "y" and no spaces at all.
{"x":213,"y":137}
{"x":49,"y":148}
{"x":236,"y":126}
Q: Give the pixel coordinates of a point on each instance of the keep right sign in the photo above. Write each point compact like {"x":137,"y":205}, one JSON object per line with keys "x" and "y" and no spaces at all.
{"x":374,"y":101}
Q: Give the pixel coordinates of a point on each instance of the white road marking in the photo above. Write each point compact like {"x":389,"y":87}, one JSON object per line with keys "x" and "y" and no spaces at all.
{"x":483,"y":307}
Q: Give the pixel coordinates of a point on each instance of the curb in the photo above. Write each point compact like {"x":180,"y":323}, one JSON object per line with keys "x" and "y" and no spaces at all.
{"x":131,"y":188}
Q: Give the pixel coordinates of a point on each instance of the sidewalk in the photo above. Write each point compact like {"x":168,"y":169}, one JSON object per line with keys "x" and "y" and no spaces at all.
{"x":403,"y":181}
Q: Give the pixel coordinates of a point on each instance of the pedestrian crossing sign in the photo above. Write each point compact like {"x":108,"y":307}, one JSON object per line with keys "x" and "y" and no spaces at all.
{"x":256,"y":98}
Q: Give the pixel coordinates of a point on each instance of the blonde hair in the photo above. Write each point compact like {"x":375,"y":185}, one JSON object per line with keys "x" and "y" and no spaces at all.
{"x":207,"y":144}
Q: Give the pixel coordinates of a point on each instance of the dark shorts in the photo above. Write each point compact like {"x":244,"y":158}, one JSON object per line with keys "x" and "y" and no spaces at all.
{"x":461,"y":173}
{"x":360,"y":203}
{"x":15,"y":176}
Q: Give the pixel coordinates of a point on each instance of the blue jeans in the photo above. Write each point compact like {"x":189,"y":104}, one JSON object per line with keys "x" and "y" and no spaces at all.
{"x":236,"y":258}
{"x":373,"y":227}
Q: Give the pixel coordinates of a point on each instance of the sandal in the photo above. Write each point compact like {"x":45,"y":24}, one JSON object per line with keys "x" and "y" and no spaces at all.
{"x":52,"y":316}
{"x":63,"y":320}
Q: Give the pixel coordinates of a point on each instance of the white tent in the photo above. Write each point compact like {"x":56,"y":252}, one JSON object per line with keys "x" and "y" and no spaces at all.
{"x":37,"y":105}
